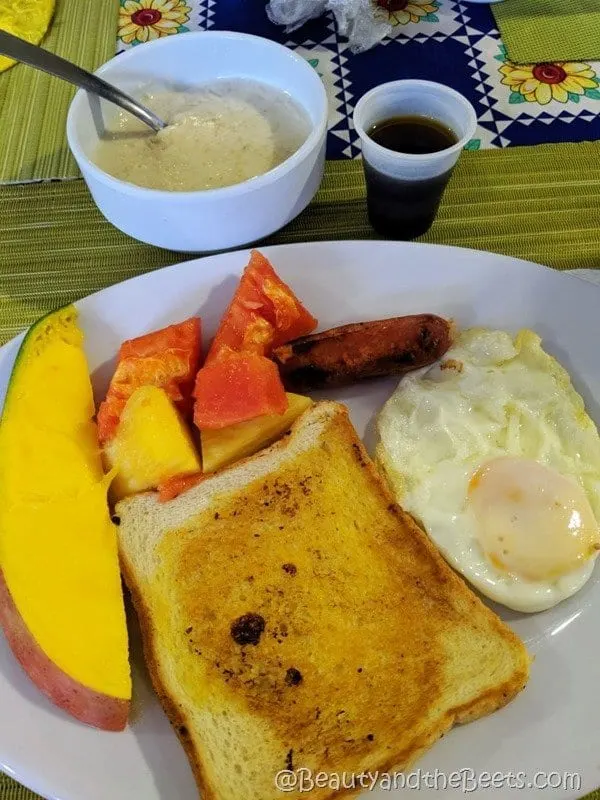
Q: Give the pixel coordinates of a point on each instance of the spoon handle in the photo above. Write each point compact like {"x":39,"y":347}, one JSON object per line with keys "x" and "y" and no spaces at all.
{"x":20,"y":50}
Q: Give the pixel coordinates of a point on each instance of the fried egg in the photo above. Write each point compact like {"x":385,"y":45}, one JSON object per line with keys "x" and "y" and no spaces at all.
{"x":492,"y":451}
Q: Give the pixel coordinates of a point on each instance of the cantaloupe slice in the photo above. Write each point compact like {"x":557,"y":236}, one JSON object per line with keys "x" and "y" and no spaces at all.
{"x":61,"y":602}
{"x":151,"y":444}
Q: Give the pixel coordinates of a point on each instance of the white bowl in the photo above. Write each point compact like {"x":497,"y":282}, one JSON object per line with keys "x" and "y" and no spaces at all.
{"x":211,"y":219}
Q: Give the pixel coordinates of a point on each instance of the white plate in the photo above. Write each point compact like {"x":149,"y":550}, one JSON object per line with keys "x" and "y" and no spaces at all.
{"x":553,"y":726}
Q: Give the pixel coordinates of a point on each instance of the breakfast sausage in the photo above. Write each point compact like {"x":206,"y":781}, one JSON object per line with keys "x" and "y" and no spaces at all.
{"x":341,"y":356}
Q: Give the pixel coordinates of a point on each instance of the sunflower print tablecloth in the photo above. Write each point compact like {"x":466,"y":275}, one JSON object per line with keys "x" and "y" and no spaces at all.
{"x":445,"y":40}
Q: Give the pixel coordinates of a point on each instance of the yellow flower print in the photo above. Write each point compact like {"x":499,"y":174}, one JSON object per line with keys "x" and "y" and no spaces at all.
{"x":541,"y":83}
{"x":401,"y":12}
{"x":144,"y":20}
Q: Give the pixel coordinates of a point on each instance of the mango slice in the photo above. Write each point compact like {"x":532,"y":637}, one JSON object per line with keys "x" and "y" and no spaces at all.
{"x":61,"y":604}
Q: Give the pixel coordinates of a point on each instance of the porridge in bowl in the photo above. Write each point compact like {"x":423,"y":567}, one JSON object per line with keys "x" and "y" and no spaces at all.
{"x":217,"y":136}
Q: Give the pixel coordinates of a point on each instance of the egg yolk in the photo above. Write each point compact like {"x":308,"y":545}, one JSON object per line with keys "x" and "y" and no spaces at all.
{"x":531,"y":521}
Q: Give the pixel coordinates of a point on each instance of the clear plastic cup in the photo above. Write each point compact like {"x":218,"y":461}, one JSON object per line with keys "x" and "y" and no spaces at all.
{"x":404,"y":189}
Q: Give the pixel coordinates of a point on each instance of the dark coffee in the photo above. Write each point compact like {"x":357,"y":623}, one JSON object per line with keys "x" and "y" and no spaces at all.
{"x":414,"y":135}
{"x":402,"y":209}
{"x":405,"y":209}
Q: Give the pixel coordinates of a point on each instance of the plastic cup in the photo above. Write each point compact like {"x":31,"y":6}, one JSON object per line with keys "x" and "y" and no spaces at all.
{"x":404,"y":189}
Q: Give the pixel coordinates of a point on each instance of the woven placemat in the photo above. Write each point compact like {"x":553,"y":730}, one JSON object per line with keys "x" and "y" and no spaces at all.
{"x":536,"y":31}
{"x":33,"y":105}
{"x":540,"y":203}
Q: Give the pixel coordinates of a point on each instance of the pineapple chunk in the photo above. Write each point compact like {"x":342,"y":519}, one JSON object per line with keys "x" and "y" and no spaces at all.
{"x":152,"y":443}
{"x":226,"y":445}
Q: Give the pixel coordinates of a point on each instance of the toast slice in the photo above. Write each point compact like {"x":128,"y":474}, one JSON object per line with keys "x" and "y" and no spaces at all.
{"x":294,"y":616}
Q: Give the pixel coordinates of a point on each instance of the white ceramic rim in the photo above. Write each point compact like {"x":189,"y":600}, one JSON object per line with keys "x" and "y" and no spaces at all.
{"x":415,"y":158}
{"x":249,"y":185}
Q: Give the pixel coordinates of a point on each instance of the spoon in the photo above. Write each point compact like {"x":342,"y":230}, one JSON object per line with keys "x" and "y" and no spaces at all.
{"x":37,"y":57}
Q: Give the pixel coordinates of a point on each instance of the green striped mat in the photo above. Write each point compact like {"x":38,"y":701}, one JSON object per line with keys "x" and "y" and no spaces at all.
{"x":540,"y":203}
{"x":33,"y":105}
{"x":547,"y":30}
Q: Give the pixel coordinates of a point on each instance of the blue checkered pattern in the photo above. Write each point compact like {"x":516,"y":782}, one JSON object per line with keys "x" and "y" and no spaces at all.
{"x":456,"y":43}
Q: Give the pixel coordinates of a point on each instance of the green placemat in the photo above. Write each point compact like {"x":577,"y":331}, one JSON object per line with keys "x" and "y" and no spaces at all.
{"x":536,"y":31}
{"x":11,"y":790}
{"x":33,"y":105}
{"x":541,"y":203}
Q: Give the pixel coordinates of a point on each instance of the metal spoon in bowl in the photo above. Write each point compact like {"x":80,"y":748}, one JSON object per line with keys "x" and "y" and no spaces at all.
{"x":37,"y":57}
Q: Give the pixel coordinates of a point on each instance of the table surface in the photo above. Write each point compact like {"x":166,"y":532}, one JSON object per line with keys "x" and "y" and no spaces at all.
{"x":443,"y":40}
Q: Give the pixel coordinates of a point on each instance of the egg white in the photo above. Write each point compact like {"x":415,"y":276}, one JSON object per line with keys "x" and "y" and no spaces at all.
{"x":490,"y":396}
